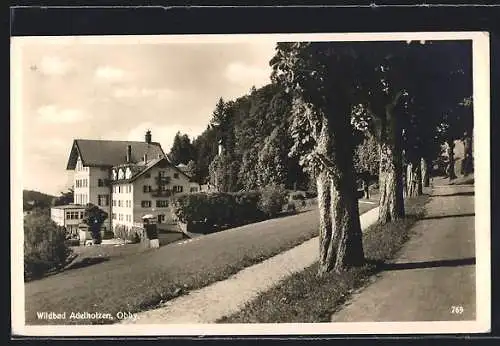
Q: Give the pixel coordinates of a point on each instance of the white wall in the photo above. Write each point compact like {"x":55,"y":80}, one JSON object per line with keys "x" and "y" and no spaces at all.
{"x":122,"y":204}
{"x":140,"y":195}
{"x":81,"y":193}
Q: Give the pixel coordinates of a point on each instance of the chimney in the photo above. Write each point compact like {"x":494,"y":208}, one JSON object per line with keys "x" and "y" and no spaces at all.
{"x":148,"y":136}
{"x":129,"y":153}
{"x":145,"y":158}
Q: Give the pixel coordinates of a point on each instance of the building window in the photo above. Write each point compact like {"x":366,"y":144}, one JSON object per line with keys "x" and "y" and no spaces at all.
{"x":72,"y":215}
{"x":177,"y":188}
{"x":193,"y":189}
{"x":163,"y":174}
{"x":146,"y":188}
{"x":103,"y":200}
{"x":100,"y":182}
{"x":82,"y":215}
{"x":146,"y":204}
{"x":161,"y":203}
{"x":114,"y":203}
{"x":114,"y":216}
{"x":176,"y":175}
{"x":161,"y":218}
{"x":147,"y":175}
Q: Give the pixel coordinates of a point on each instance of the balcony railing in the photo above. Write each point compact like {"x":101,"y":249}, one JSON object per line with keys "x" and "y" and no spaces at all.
{"x":163,"y":180}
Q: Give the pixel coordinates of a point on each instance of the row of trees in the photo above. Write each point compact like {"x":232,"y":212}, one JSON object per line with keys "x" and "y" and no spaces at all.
{"x":337,"y":110}
{"x":406,"y":96}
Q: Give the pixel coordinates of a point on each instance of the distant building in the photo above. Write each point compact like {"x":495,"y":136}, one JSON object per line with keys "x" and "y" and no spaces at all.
{"x":68,"y":216}
{"x":127,"y":179}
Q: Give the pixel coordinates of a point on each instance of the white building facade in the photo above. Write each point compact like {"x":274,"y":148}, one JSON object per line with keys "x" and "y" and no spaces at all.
{"x":126,"y":179}
{"x":68,"y":216}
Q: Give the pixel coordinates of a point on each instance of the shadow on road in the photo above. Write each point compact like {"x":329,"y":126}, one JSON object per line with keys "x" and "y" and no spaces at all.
{"x":429,"y":264}
{"x":447,"y":216}
{"x":469,"y":193}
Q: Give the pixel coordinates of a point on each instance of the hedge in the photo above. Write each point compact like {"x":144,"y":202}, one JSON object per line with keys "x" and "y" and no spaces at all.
{"x":222,"y":209}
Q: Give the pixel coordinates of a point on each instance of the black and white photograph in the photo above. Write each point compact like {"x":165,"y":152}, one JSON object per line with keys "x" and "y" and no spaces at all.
{"x":250,"y":184}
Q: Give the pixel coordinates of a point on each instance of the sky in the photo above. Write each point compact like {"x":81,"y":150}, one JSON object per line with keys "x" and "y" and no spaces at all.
{"x":86,"y":90}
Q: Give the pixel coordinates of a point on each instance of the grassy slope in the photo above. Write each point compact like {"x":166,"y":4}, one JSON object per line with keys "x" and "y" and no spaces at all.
{"x":140,"y":281}
{"x":304,"y":297}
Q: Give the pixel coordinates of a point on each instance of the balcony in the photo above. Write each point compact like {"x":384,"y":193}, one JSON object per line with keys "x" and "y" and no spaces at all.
{"x":162,"y":180}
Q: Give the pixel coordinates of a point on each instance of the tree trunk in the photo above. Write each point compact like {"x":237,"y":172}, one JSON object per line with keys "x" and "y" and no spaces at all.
{"x":346,"y":236}
{"x":467,"y":162}
{"x":450,"y":170}
{"x":424,"y":167}
{"x":391,"y":206}
{"x":413,"y":180}
{"x":340,"y":234}
{"x":326,"y":247}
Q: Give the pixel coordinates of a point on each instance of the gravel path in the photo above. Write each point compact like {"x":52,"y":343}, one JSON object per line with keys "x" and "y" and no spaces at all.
{"x":225,"y":297}
{"x":434,"y":277}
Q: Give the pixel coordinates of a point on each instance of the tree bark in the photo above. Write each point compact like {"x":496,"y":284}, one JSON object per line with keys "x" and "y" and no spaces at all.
{"x":450,"y":170}
{"x":326,"y":253}
{"x":340,"y":236}
{"x":467,"y":162}
{"x":413,"y":180}
{"x":346,"y":234}
{"x":424,"y":167}
{"x":391,"y":206}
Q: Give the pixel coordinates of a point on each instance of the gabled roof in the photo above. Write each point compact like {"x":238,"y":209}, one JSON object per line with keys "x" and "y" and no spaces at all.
{"x":141,"y":168}
{"x":103,"y":153}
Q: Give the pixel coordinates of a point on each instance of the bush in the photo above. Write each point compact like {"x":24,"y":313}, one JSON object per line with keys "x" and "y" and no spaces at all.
{"x":247,"y":207}
{"x":291,"y":207}
{"x":45,"y":246}
{"x":273,"y":198}
{"x":311,"y":194}
{"x":217,"y":208}
{"x":297,"y":196}
{"x":123,"y":233}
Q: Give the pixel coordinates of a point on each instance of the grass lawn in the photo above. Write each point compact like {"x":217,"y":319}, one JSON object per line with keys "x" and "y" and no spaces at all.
{"x":305,"y":298}
{"x":138,"y":281}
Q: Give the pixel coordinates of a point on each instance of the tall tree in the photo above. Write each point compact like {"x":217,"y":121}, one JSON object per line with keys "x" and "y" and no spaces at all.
{"x":94,"y":218}
{"x":182,"y":150}
{"x":321,"y":78}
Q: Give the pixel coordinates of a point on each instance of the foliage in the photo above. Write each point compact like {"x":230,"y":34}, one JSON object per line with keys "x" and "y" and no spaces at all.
{"x":192,"y":169}
{"x":223,"y":172}
{"x":253,"y":130}
{"x":366,"y":156}
{"x":182,"y":150}
{"x":34,"y":199}
{"x":65,"y":198}
{"x":273,"y":198}
{"x":45,"y":248}
{"x":124,"y":233}
{"x":221,"y":209}
{"x":271,"y":164}
{"x":94,"y":218}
